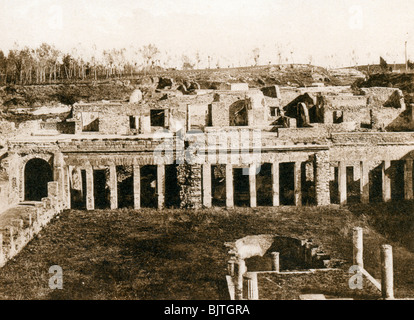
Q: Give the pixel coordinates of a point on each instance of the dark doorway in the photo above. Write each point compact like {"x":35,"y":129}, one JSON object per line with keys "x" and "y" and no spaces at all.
{"x":238,"y":114}
{"x":78,"y":190}
{"x":375,"y":184}
{"x":101,"y":190}
{"x":264,"y":185}
{"x":37,"y":173}
{"x":149,"y":197}
{"x":287,"y":183}
{"x":334,"y":187}
{"x":218,"y":185}
{"x":172,"y":189}
{"x":397,"y":180}
{"x":307,"y":183}
{"x":241,"y":187}
{"x":353,"y":193}
{"x":125,"y":186}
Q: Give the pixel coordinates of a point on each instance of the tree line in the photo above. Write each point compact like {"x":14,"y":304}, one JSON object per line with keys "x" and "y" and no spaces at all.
{"x":46,"y":64}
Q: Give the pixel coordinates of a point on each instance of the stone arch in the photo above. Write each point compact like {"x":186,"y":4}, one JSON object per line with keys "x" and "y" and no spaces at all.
{"x":37,"y":173}
{"x":238,"y":115}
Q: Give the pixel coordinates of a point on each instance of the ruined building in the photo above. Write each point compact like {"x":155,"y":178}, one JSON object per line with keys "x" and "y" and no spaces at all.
{"x":232,"y":147}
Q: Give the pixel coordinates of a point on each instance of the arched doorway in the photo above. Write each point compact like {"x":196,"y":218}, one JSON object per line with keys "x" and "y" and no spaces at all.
{"x":37,"y":173}
{"x":238,"y":114}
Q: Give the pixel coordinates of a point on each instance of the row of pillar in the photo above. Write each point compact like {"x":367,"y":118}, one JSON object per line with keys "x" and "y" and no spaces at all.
{"x":386,"y":181}
{"x":207,"y":198}
{"x":113,"y":187}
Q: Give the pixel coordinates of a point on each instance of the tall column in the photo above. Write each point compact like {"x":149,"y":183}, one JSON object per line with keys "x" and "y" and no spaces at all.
{"x":229,"y":186}
{"x":342,"y":182}
{"x":358,"y":247}
{"x":252,"y":186}
{"x":66,"y":187}
{"x":90,"y":201}
{"x":387,"y":272}
{"x":408,"y":179}
{"x":275,"y":184}
{"x":386,"y":181}
{"x":161,"y":185}
{"x":298,"y":183}
{"x":137,"y":186}
{"x":364,"y":182}
{"x":113,"y":186}
{"x":322,"y":178}
{"x":58,"y":174}
{"x":207,"y":185}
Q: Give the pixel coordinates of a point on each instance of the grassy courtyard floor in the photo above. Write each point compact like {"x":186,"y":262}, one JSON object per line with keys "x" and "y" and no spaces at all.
{"x":175,"y":254}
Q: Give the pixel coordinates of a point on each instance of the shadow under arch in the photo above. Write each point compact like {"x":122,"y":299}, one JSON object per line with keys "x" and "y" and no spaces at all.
{"x":37,"y":173}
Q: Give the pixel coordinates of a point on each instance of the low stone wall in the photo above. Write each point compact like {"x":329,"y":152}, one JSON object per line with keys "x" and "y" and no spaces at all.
{"x":16,"y":236}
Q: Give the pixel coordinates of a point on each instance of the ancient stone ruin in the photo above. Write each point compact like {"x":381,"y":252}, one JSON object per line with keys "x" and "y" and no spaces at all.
{"x":230,"y":147}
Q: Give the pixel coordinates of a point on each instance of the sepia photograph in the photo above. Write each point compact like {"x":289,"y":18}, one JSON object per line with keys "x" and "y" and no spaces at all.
{"x":206,"y":153}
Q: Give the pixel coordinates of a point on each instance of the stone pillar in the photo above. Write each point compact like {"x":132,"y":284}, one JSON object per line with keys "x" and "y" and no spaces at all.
{"x":230,"y":267}
{"x":58,"y":174}
{"x":252,"y":287}
{"x":207,"y":185}
{"x":298,"y":183}
{"x":90,"y":200}
{"x":53,"y":194}
{"x":275,"y":261}
{"x":161,"y":185}
{"x":364,"y":182}
{"x":387,"y":273}
{"x":358,"y":247}
{"x":386,"y":181}
{"x":275,"y":184}
{"x":252,"y":185}
{"x":342,"y":183}
{"x":322,"y":177}
{"x":66,"y":187}
{"x":408,"y":179}
{"x":113,"y":186}
{"x":241,"y":270}
{"x":137,"y":186}
{"x":229,"y":186}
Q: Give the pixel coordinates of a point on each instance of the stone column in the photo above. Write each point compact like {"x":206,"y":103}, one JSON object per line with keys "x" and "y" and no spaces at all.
{"x":322,"y":177}
{"x":58,"y":163}
{"x":113,"y":186}
{"x":298,"y":183}
{"x":229,"y":186}
{"x":90,"y":200}
{"x":241,"y":270}
{"x":137,"y":186}
{"x":252,"y":286}
{"x":386,"y":181}
{"x":252,"y":186}
{"x":275,"y":184}
{"x":207,"y":185}
{"x":161,"y":185}
{"x":342,"y":183}
{"x":364,"y":182}
{"x":275,"y":261}
{"x":358,"y":247}
{"x":408,"y":179}
{"x":387,"y":276}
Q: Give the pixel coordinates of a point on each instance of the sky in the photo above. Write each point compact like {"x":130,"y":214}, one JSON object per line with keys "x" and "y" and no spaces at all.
{"x":330,"y":33}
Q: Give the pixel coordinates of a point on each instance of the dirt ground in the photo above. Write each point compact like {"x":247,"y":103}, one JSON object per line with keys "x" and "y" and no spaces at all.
{"x":173,"y":254}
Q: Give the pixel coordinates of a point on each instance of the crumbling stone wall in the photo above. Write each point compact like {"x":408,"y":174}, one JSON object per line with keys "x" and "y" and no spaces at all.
{"x":189,"y":178}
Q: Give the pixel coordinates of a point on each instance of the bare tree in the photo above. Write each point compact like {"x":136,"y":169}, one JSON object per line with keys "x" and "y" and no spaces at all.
{"x":149,"y":53}
{"x":256,"y":55}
